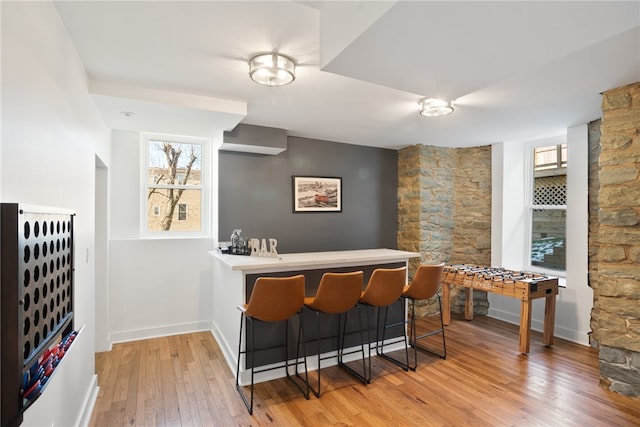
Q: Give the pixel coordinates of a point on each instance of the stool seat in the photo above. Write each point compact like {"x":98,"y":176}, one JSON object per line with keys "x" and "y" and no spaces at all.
{"x":337,"y":292}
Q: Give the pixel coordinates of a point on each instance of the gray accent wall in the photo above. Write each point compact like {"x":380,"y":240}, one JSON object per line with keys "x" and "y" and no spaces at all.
{"x":255,"y":195}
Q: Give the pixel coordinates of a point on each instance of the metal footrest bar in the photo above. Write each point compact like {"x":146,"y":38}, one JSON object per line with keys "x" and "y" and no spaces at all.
{"x":380,"y":348}
{"x":361,"y":377}
{"x":413,"y":339}
{"x":340,"y":353}
{"x":248,"y":402}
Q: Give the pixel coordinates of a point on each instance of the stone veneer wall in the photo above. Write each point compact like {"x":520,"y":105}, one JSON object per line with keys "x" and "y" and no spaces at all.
{"x":472,"y":206}
{"x":444,"y":210}
{"x":472,"y":216}
{"x":616,"y":256}
{"x":593,"y":192}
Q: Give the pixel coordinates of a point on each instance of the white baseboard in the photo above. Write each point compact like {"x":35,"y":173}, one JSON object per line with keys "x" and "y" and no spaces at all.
{"x":537,"y":325}
{"x":89,"y":403}
{"x":160,"y":331}
{"x":228,"y":351}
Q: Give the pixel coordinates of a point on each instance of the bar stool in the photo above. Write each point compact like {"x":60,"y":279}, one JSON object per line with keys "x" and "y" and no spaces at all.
{"x":383,"y":289}
{"x":273,"y":299}
{"x":337,"y":294}
{"x":425,"y":285}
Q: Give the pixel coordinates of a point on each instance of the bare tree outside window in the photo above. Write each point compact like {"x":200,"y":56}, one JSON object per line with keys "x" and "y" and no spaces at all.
{"x":174,"y":180}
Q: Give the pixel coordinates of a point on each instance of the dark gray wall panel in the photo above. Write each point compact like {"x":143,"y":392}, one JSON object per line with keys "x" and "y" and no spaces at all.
{"x":255,"y":194}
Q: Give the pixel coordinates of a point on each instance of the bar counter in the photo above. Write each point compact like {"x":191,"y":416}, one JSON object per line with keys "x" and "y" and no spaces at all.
{"x":235,"y":275}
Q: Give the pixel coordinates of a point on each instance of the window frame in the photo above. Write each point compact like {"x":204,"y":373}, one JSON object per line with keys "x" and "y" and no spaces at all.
{"x":204,"y":187}
{"x":183,"y":207}
{"x":530,"y":207}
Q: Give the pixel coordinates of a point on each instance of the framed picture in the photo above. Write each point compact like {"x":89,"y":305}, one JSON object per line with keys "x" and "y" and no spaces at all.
{"x":317,"y":194}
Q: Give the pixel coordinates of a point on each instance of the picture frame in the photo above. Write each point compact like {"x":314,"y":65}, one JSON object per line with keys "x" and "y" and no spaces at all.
{"x":317,"y":194}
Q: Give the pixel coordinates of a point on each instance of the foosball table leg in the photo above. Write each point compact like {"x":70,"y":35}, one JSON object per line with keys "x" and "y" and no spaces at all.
{"x":549,"y":320}
{"x":446,"y":303}
{"x":525,"y":326}
{"x":468,"y":303}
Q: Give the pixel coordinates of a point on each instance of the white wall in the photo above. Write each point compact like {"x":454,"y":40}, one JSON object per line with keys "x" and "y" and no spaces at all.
{"x":101,"y":254}
{"x":51,"y":134}
{"x":509,"y":239}
{"x":156,"y":286}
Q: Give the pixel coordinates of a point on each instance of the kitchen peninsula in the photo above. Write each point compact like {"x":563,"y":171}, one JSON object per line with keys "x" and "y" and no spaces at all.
{"x":234,"y":277}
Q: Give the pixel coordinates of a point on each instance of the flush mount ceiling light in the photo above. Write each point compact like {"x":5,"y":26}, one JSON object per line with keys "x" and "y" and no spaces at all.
{"x":272,"y":69}
{"x":433,"y":107}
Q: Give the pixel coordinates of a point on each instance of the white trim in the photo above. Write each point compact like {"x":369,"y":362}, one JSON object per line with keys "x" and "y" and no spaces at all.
{"x":574,"y":302}
{"x":159,"y":331}
{"x":529,"y":180}
{"x":89,"y":403}
{"x":537,"y":324}
{"x":204,"y":187}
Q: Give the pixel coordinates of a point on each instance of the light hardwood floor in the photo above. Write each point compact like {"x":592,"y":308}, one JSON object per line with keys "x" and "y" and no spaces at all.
{"x":184,"y":380}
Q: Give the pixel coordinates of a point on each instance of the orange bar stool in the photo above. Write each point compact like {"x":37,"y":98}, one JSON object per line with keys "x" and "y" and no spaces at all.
{"x":273,"y":299}
{"x":337,"y":294}
{"x":384,"y":288}
{"x":425,"y":285}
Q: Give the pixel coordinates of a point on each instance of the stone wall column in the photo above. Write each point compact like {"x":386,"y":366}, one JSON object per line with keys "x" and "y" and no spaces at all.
{"x":594,"y":224}
{"x":444,"y":210}
{"x":616,"y":312}
{"x":472,"y":216}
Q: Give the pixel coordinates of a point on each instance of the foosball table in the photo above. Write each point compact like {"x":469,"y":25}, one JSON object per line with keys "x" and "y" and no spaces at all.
{"x":516,"y":284}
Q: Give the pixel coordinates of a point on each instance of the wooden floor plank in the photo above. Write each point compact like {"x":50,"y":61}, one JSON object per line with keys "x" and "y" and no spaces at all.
{"x":185,"y":381}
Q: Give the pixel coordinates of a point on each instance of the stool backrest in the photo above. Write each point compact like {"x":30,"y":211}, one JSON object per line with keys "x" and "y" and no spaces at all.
{"x":426,"y":282}
{"x":338,"y":292}
{"x":385,"y":286}
{"x":274,"y":299}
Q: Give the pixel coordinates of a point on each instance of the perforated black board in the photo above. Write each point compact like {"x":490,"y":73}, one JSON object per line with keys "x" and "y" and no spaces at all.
{"x":45,"y":268}
{"x":37,"y":255}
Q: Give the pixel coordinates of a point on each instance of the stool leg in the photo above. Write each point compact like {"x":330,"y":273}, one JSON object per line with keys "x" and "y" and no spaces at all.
{"x":341,"y":334}
{"x":403,"y":365}
{"x":304,"y":355}
{"x":364,"y":378}
{"x":415,"y":338}
{"x":305,"y":380}
{"x":286,"y":347}
{"x":384,"y":322}
{"x":239,"y":352}
{"x":444,"y":343}
{"x":412,"y":334}
{"x":368,"y":325}
{"x":247,"y":403}
{"x":316,"y":391}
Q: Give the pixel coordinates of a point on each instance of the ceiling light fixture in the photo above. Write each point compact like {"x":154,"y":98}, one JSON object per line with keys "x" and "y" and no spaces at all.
{"x":272,"y":69}
{"x":433,"y":107}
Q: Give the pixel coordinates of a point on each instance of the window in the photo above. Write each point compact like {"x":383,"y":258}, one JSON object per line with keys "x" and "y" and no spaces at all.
{"x":548,"y":208}
{"x":551,"y":157}
{"x":174,"y":191}
{"x":182,"y":212}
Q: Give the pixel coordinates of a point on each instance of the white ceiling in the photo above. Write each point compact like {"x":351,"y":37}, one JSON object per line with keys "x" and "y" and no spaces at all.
{"x":517,"y":70}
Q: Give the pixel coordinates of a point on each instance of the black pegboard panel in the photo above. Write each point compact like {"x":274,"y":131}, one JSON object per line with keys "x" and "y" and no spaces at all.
{"x":37,"y":247}
{"x":45,"y":273}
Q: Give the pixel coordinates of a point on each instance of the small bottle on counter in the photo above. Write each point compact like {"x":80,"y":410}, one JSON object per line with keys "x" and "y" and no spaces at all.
{"x":235,"y":241}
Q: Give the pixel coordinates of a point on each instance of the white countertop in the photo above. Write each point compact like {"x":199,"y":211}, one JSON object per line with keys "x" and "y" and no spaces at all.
{"x":313,"y":259}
